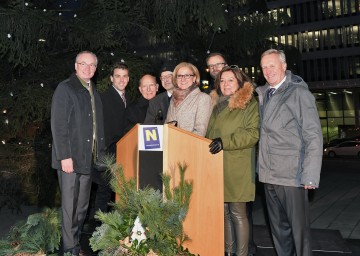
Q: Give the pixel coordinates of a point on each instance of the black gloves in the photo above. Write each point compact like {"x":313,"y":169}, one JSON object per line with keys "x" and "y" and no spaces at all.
{"x":216,"y":146}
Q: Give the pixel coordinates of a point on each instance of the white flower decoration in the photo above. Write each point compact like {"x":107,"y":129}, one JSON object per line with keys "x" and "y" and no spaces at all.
{"x":138,"y":232}
{"x":42,"y":85}
{"x":112,"y":54}
{"x":60,"y":13}
{"x":75,"y":15}
{"x":26,"y":4}
{"x":8,"y":35}
{"x":44,"y":10}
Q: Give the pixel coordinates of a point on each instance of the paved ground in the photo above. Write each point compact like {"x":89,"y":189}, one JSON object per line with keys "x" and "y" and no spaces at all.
{"x":334,"y":207}
{"x":335,"y":212}
{"x":336,"y":204}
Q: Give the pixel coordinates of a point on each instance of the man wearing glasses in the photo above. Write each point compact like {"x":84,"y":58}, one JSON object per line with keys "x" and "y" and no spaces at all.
{"x":158,"y":106}
{"x":215,"y":62}
{"x":78,"y":139}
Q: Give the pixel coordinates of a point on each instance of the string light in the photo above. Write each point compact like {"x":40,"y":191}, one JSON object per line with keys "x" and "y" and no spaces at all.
{"x":3,"y":142}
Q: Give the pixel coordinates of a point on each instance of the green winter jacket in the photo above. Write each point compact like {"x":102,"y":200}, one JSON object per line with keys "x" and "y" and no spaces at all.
{"x":238,"y":127}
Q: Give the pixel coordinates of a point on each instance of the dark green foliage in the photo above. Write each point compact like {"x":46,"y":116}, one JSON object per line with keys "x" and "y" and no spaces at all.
{"x":39,"y":234}
{"x":162,"y":217}
{"x":39,"y":41}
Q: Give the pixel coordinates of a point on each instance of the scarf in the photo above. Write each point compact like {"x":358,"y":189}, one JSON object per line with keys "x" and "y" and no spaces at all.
{"x":180,"y":94}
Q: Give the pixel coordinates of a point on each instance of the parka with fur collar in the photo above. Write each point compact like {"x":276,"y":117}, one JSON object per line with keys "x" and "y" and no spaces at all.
{"x":236,"y":121}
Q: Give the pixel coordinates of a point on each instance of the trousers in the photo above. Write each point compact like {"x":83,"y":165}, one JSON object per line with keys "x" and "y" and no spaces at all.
{"x":288,"y":210}
{"x":75,"y":194}
{"x":236,"y":228}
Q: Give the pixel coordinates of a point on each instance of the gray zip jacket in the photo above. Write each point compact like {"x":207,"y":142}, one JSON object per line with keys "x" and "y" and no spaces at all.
{"x":291,"y":141}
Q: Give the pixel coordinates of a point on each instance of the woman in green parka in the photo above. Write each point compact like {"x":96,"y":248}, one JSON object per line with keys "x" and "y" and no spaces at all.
{"x":234,"y":128}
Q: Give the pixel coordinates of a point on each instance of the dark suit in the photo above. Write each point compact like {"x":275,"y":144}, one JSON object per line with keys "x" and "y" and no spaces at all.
{"x":114,"y":114}
{"x":159,"y":102}
{"x":135,"y":113}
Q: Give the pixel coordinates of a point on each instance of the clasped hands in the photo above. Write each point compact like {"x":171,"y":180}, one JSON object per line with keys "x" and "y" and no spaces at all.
{"x":216,"y":146}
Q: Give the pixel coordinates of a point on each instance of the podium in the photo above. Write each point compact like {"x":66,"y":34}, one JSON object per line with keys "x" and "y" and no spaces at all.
{"x":204,"y":223}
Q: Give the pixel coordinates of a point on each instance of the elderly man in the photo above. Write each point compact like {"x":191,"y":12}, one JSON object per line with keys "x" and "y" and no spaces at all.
{"x":158,"y":106}
{"x":136,"y":112}
{"x":290,"y":153}
{"x":78,"y":139}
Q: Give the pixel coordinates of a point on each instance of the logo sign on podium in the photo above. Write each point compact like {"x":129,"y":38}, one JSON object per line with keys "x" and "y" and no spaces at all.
{"x":150,"y":137}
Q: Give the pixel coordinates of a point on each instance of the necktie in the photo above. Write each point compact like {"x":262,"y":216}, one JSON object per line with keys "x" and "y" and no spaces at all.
{"x":268,"y":95}
{"x":123,"y":98}
{"x":270,"y":92}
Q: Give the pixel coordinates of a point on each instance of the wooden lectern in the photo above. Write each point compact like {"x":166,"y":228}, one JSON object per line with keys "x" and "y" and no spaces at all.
{"x":204,"y":223}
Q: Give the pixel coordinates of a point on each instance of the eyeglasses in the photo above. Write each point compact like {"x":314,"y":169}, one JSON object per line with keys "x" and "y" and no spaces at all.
{"x":186,"y":76}
{"x":84,"y":64}
{"x":217,"y":65}
{"x":164,"y":78}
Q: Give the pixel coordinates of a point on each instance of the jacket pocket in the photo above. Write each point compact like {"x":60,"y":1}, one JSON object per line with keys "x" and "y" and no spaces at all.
{"x":284,"y":163}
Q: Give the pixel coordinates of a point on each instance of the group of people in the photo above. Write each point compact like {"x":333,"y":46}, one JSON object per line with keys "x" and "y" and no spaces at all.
{"x":282,"y":122}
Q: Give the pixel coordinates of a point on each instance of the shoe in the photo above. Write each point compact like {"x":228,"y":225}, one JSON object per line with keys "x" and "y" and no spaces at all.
{"x":82,"y":253}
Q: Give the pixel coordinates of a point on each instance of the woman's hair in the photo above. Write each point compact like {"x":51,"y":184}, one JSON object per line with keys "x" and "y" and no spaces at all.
{"x":240,"y":76}
{"x":191,"y":67}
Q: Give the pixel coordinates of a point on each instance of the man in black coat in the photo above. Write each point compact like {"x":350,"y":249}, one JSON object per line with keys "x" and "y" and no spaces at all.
{"x":136,"y":112}
{"x":78,"y":139}
{"x":114,"y":101}
{"x":215,"y":62}
{"x":114,"y":105}
{"x":158,"y":106}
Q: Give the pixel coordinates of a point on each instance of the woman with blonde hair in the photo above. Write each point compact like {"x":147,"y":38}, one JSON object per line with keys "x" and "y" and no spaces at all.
{"x":189,"y":107}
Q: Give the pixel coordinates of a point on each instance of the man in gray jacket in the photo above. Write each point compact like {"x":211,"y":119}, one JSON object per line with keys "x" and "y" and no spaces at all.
{"x":290,"y":153}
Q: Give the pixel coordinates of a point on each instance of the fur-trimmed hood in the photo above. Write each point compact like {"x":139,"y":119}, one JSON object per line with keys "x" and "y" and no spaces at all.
{"x":238,"y":100}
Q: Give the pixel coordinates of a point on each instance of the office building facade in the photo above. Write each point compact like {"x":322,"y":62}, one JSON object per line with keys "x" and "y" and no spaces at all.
{"x":326,"y":35}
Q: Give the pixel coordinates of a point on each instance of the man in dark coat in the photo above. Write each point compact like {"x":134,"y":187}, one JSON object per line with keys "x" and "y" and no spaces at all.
{"x":114,"y":105}
{"x":78,"y":139}
{"x":215,"y":62}
{"x":158,"y":106}
{"x":136,"y":112}
{"x":114,"y":101}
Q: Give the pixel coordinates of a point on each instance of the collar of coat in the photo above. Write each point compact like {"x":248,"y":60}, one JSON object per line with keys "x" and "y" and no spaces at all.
{"x":238,"y":100}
